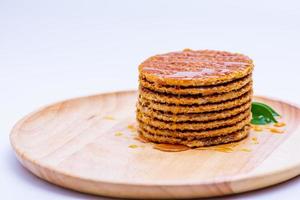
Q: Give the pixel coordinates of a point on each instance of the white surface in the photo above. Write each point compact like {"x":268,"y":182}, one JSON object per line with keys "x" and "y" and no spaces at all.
{"x":53,"y":50}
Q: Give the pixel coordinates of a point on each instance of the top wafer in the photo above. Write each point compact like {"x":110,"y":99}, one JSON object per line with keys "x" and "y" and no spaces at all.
{"x":195,"y":68}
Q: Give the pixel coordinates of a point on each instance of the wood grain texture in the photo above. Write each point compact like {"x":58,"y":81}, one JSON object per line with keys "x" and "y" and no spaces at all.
{"x":83,"y":144}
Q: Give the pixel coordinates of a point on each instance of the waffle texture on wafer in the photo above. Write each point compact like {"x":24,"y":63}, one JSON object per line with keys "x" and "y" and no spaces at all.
{"x":195,"y":98}
{"x":209,"y":107}
{"x":195,"y":68}
{"x":194,"y":117}
{"x":201,"y":142}
{"x":199,"y":90}
{"x":195,"y":133}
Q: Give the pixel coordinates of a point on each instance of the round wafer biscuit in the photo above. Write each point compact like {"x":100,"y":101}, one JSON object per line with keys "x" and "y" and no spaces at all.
{"x":192,"y":125}
{"x":236,"y":136}
{"x":195,"y":68}
{"x":198,"y":108}
{"x":195,"y":134}
{"x":200,"y":90}
{"x":191,"y":99}
{"x":197,"y":117}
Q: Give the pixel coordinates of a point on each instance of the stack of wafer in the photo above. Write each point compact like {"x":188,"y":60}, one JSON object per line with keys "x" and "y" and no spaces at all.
{"x":195,"y":98}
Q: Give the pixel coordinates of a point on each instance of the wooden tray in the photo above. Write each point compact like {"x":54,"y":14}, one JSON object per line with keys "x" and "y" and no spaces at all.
{"x":87,"y":144}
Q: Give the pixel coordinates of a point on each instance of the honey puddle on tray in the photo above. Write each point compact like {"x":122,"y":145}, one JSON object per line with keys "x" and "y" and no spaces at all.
{"x":171,"y":147}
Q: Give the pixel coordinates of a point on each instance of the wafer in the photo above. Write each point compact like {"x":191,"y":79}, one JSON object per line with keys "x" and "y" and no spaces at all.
{"x":192,"y":125}
{"x":197,"y":109}
{"x":195,"y":68}
{"x":200,"y":90}
{"x":196,"y":134}
{"x":193,"y":99}
{"x":194,"y":117}
{"x":209,"y":141}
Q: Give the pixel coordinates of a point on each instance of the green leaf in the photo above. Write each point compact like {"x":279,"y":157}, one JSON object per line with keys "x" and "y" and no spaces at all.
{"x":262,"y":114}
{"x":268,"y":107}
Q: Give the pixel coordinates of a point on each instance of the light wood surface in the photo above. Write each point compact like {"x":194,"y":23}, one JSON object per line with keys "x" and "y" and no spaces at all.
{"x":87,"y":144}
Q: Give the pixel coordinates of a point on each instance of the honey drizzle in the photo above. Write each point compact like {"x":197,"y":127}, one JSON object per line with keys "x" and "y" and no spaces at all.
{"x":171,"y":147}
{"x":280,"y":124}
{"x":246,"y":150}
{"x":118,"y":133}
{"x":274,"y":129}
{"x":109,"y":117}
{"x":254,"y":140}
{"x":258,"y":128}
{"x":133,"y":146}
{"x":132,"y":128}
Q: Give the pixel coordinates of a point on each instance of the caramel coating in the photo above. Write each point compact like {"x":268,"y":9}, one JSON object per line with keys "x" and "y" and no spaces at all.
{"x":201,"y":67}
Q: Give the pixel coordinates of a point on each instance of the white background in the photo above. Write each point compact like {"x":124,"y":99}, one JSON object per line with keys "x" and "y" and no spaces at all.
{"x":53,"y":50}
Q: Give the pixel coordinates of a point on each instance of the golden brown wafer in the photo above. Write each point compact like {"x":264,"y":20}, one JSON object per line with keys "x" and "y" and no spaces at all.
{"x":192,"y":125}
{"x":191,"y":99}
{"x":195,"y":98}
{"x":195,"y":68}
{"x":196,"y":109}
{"x":195,"y":117}
{"x":195,"y":134}
{"x":236,"y":136}
{"x":204,"y":90}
